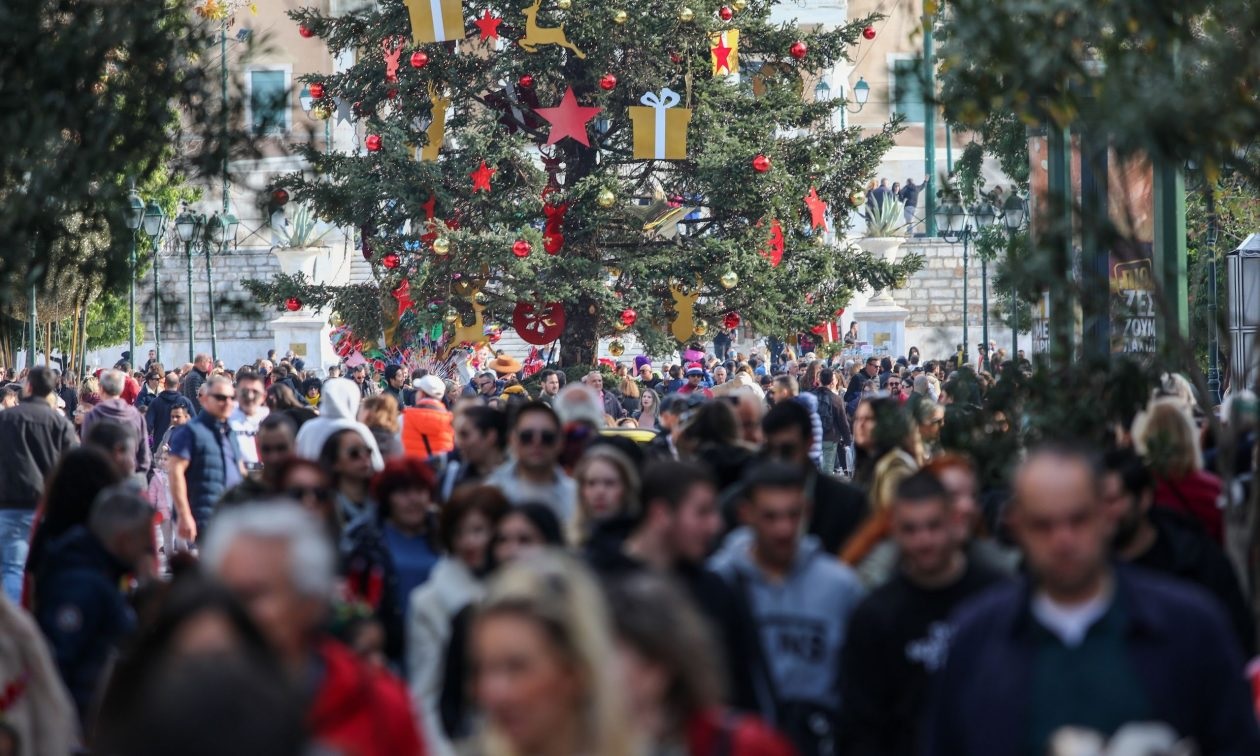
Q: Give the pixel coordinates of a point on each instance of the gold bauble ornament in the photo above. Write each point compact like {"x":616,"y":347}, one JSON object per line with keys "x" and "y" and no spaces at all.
{"x":616,"y":349}
{"x":739,"y":5}
{"x":701,"y":328}
{"x":606,"y":198}
{"x":614,"y":272}
{"x":730,"y":279}
{"x":451,"y":318}
{"x":564,"y":4}
{"x":479,"y":298}
{"x":686,"y":15}
{"x":619,"y":327}
{"x":321,"y":112}
{"x":858,"y":198}
{"x":441,"y":246}
{"x":620,"y":17}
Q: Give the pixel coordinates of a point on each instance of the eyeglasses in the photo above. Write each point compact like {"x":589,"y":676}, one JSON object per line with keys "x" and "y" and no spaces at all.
{"x":221,"y":397}
{"x":357,"y":452}
{"x":531,"y":436}
{"x":894,"y":385}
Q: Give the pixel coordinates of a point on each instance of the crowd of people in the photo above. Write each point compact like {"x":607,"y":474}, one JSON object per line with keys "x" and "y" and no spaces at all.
{"x":758,"y":554}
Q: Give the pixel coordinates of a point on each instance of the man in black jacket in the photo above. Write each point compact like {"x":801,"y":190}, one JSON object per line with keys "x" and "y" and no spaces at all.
{"x":33,"y":437}
{"x":158,"y":417}
{"x":1161,"y":540}
{"x":190,"y":387}
{"x":897,"y":636}
{"x":853,"y":393}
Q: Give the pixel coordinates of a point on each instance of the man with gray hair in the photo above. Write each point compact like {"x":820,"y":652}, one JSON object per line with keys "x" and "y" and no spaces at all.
{"x":205,"y":458}
{"x":278,"y":559}
{"x":115,"y":409}
{"x":81,"y":610}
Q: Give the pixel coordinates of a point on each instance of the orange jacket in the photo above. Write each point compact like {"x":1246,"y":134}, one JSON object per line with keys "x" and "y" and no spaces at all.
{"x":427,"y":429}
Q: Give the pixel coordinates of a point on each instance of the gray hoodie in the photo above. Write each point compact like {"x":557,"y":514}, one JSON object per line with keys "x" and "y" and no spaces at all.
{"x":338,"y":410}
{"x":801,"y":621}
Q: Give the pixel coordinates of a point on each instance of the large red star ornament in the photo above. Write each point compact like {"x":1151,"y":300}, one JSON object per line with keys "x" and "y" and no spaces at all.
{"x":721,"y":56}
{"x":489,"y":26}
{"x":481,"y":177}
{"x":817,"y":209}
{"x":568,"y":119}
{"x":402,"y":293}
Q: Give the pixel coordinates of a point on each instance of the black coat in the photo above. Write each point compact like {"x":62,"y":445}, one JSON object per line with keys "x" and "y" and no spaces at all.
{"x":837,"y":509}
{"x":158,"y":417}
{"x":33,"y":437}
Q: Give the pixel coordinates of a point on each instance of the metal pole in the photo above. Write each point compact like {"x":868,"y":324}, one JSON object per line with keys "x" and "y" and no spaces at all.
{"x":157,"y":304}
{"x":223,"y":107}
{"x":966,"y":240}
{"x":929,"y":116}
{"x":1214,"y":348}
{"x":31,"y":337}
{"x":188,"y":253}
{"x":1014,"y":317}
{"x":984,"y":302}
{"x":1059,"y":181}
{"x":131,"y":326}
{"x":949,"y":151}
{"x":214,"y":341}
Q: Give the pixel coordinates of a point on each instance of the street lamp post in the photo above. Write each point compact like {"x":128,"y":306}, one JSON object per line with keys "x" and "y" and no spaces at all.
{"x":1214,"y":347}
{"x":135,"y":216}
{"x":220,"y":231}
{"x":985,"y":215}
{"x":188,"y":225}
{"x":1014,"y":213}
{"x":954,"y":224}
{"x":861,"y":94}
{"x":155,"y":228}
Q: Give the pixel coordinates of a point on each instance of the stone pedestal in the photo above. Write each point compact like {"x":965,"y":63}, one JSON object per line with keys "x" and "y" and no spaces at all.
{"x":882,"y":326}
{"x":307,"y":336}
{"x":887,"y":249}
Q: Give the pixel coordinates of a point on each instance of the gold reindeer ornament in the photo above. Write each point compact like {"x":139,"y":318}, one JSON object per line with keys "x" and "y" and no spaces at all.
{"x":537,"y":36}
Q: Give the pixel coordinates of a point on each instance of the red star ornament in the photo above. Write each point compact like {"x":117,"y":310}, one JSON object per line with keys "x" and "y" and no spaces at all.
{"x":488,"y":26}
{"x":568,"y":119}
{"x":817,"y":209}
{"x":481,"y":177}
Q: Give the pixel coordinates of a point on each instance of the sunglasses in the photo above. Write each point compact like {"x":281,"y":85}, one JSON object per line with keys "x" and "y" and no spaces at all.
{"x":357,"y":452}
{"x":531,"y":436}
{"x":221,"y":397}
{"x":301,"y":492}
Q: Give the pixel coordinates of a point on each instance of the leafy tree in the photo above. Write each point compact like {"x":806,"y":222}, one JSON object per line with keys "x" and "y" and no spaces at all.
{"x":631,"y":229}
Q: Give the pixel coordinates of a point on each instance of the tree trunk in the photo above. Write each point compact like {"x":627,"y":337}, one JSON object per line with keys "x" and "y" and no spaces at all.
{"x":580,"y":343}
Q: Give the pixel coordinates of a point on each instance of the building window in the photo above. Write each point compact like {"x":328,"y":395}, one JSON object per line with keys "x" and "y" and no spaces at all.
{"x":907,"y":89}
{"x":269,"y":101}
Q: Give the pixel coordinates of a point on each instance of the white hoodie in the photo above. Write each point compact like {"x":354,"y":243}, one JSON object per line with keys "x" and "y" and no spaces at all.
{"x":338,"y":409}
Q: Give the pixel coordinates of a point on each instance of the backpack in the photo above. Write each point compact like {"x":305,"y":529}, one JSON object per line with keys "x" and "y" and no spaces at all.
{"x":826,"y":411}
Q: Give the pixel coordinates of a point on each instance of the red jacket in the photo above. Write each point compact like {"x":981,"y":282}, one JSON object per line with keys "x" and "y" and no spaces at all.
{"x":1194,"y":496}
{"x":361,"y":711}
{"x":743,"y":736}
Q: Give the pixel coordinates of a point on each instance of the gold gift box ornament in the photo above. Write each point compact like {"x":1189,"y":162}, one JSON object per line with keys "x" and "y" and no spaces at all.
{"x":435,"y":20}
{"x":660,"y":128}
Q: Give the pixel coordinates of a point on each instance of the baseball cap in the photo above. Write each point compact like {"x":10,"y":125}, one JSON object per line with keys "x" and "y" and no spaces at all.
{"x":432,"y":386}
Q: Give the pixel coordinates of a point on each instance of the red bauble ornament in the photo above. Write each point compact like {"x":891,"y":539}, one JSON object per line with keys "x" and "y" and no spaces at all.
{"x":280,"y":197}
{"x":731,"y":321}
{"x":607,"y":82}
{"x":419,"y":59}
{"x":553,"y":243}
{"x":292,"y":304}
{"x":522,"y":248}
{"x":305,"y":31}
{"x":373,"y":142}
{"x":675,"y":58}
{"x":526,"y":81}
{"x":317,"y":90}
{"x":726,"y":13}
{"x":799,"y":50}
{"x":869,"y":32}
{"x":391,"y":261}
{"x":538,"y":325}
{"x":392,"y":93}
{"x":761,"y":164}
{"x":628,"y":316}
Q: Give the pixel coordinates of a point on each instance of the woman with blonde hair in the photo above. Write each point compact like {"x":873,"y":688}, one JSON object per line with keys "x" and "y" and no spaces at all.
{"x":649,"y":410}
{"x":629,"y":389}
{"x":1165,"y":435}
{"x":380,"y":414}
{"x":544,"y":678}
{"x":608,"y":489}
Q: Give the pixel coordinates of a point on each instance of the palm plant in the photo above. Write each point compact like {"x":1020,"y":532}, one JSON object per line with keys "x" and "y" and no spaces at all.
{"x":302,"y":230}
{"x":885,"y":219}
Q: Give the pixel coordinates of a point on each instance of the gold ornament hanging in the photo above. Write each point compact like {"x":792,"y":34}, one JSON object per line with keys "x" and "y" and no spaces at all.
{"x":620,"y":17}
{"x":616,"y":348}
{"x":739,"y":5}
{"x":564,"y":4}
{"x":441,"y":246}
{"x":614,"y":272}
{"x":858,"y":198}
{"x":686,"y":15}
{"x":702,"y":328}
{"x":620,"y":327}
{"x":606,"y":198}
{"x":730,"y":279}
{"x":451,"y":318}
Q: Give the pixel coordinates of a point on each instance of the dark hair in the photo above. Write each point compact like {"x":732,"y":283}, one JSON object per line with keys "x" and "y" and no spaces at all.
{"x":283,"y":396}
{"x":1135,"y":476}
{"x":789,"y":414}
{"x":393,"y":370}
{"x":80,"y":475}
{"x":713,"y":423}
{"x":278,"y":421}
{"x":775,"y":475}
{"x":486,"y":419}
{"x":466,"y":500}
{"x":40,"y":381}
{"x":669,"y":482}
{"x":538,"y":407}
{"x":331,"y":450}
{"x":544,"y":375}
{"x":923,"y":485}
{"x":400,"y":475}
{"x":108,"y":435}
{"x":10,"y":390}
{"x":311,"y":383}
{"x":544,"y":520}
{"x":825,"y":376}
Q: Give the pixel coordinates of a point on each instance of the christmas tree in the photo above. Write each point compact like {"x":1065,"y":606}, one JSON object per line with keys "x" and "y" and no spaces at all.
{"x":583,"y":168}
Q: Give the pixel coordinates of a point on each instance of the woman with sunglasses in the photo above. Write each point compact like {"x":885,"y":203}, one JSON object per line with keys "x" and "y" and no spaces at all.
{"x":310,"y":486}
{"x":348,"y":459}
